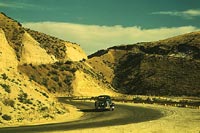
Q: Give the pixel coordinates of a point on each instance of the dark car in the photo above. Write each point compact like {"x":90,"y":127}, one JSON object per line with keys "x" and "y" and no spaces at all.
{"x":104,"y":102}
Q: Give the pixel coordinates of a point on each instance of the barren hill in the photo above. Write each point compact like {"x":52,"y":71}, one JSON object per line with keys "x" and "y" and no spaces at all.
{"x":35,"y":68}
{"x":49,"y":61}
{"x":165,"y":67}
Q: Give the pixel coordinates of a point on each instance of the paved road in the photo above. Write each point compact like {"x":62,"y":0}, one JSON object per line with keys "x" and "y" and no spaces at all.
{"x":122,"y":115}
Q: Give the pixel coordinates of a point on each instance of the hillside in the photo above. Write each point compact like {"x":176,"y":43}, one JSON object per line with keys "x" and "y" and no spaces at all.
{"x":165,"y":67}
{"x":35,"y":69}
{"x":20,"y":97}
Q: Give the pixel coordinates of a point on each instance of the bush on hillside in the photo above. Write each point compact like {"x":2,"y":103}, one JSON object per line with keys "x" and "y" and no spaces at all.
{"x":6,"y":117}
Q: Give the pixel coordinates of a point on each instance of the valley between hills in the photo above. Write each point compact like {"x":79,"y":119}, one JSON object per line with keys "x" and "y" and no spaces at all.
{"x":37,"y":68}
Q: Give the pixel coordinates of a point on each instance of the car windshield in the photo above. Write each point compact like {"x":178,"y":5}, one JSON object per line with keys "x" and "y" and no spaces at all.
{"x":103,"y":98}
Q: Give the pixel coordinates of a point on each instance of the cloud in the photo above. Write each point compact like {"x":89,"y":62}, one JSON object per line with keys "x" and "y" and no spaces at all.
{"x":192,"y":12}
{"x":95,"y":37}
{"x":16,"y":5}
{"x":188,"y":14}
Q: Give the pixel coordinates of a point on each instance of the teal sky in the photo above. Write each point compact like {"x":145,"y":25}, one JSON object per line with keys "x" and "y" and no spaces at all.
{"x":144,"y":14}
{"x":103,"y":12}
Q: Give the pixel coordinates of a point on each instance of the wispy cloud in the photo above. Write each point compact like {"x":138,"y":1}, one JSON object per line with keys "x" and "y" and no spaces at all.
{"x":188,"y":14}
{"x":95,"y":37}
{"x":16,"y":5}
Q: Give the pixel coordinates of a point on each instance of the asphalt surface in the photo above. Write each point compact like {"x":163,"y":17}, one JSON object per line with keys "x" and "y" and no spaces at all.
{"x":123,"y":114}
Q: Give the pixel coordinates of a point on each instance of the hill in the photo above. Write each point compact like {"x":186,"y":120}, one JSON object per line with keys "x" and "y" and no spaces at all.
{"x":35,"y":69}
{"x":165,"y":67}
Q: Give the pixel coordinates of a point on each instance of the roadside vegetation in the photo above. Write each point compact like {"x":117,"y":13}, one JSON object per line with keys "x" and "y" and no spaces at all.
{"x":184,"y":102}
{"x":57,"y":77}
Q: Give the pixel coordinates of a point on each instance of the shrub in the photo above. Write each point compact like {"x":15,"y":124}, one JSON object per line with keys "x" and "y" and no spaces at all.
{"x":158,"y":100}
{"x":73,"y":70}
{"x":68,"y":80}
{"x":43,"y":108}
{"x":23,"y":98}
{"x":60,"y":84}
{"x":44,"y":94}
{"x":65,"y":68}
{"x":48,"y":116}
{"x":54,"y":72}
{"x":44,"y":82}
{"x":43,"y":65}
{"x":55,"y":66}
{"x":137,"y":99}
{"x":149,"y":100}
{"x":4,"y":76}
{"x":9,"y":102}
{"x":32,"y":66}
{"x":68,"y":62}
{"x":59,"y":111}
{"x":6,"y":117}
{"x":6,"y":87}
{"x":55,"y":78}
{"x":32,"y":77}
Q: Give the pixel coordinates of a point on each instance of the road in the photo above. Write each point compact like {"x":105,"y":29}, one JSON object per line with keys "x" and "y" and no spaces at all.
{"x":123,"y":114}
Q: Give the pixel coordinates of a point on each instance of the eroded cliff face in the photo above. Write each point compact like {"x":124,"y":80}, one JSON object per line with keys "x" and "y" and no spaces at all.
{"x":60,"y":49}
{"x":7,"y":54}
{"x":32,"y":53}
{"x":74,"y":52}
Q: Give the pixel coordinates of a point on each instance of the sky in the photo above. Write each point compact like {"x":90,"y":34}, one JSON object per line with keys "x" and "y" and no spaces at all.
{"x":99,"y":24}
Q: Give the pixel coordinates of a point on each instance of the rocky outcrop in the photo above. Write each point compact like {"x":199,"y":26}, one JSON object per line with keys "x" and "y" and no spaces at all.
{"x":74,"y":52}
{"x":32,"y":53}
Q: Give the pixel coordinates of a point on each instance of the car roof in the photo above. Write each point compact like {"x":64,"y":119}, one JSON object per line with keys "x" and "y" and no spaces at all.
{"x":103,"y":96}
{"x":106,"y":96}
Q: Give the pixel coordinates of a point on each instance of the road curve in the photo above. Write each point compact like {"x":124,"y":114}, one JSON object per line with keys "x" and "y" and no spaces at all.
{"x":123,"y":114}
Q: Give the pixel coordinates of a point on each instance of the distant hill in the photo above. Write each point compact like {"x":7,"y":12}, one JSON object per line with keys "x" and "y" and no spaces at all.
{"x":165,"y":67}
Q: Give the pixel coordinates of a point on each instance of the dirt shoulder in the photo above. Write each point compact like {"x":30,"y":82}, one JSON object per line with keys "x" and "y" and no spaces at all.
{"x":71,"y":114}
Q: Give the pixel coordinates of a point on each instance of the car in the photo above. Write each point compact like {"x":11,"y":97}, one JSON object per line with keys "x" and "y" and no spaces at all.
{"x":104,"y":102}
